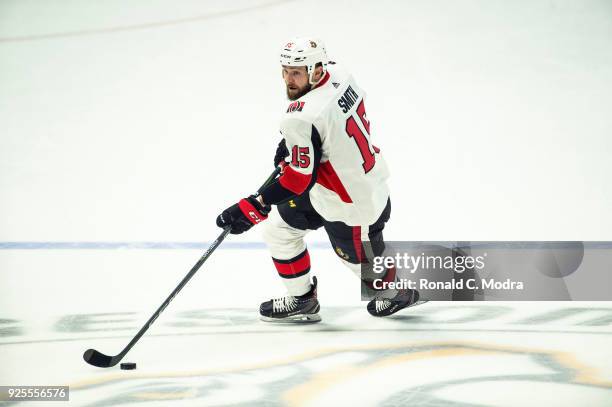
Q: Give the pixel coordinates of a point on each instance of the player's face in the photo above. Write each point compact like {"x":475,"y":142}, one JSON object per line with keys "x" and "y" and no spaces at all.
{"x":296,"y":80}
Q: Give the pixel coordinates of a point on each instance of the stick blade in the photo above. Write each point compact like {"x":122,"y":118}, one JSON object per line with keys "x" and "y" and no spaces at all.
{"x":98,"y":359}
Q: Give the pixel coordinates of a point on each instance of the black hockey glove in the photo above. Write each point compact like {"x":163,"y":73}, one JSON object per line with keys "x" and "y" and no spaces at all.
{"x":243,"y":215}
{"x":281,"y":153}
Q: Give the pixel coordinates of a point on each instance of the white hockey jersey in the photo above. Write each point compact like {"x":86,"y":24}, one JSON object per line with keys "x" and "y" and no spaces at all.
{"x":329,"y":124}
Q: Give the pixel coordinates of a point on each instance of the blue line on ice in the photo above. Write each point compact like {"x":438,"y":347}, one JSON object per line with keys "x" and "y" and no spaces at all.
{"x":138,"y":245}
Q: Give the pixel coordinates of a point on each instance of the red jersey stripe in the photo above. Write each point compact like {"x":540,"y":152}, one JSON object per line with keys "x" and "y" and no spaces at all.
{"x":357,"y":242}
{"x":327,"y":177}
{"x":294,"y":181}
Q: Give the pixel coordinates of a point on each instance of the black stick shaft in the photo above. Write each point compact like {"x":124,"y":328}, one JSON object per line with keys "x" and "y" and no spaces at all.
{"x":182,"y":284}
{"x":94,"y":357}
{"x":277,"y":170}
{"x":191,"y":273}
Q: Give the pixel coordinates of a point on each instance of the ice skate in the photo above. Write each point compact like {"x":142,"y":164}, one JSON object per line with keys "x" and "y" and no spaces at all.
{"x":292,"y":309}
{"x":382,"y":307}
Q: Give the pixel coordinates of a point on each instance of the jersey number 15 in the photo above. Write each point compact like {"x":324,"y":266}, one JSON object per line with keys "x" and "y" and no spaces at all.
{"x":363,"y":142}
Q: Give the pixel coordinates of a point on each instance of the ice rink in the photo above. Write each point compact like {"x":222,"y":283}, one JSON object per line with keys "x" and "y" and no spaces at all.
{"x":126,"y":126}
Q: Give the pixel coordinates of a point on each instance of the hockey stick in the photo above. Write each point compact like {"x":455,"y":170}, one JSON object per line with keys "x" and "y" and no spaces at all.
{"x":99,"y":359}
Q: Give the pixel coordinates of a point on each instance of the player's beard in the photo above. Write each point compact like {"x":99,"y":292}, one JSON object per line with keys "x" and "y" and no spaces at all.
{"x":298,"y":92}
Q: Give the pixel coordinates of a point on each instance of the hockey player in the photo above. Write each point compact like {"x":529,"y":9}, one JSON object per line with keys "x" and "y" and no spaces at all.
{"x":335,"y":179}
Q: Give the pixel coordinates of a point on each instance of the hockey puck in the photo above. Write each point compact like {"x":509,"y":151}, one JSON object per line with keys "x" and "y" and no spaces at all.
{"x":128,"y":366}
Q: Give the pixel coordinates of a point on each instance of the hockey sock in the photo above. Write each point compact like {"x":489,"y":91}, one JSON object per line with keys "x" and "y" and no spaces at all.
{"x":295,"y":273}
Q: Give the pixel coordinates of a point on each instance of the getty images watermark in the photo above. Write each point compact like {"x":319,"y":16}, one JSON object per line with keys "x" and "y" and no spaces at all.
{"x":477,"y":271}
{"x":456,"y":264}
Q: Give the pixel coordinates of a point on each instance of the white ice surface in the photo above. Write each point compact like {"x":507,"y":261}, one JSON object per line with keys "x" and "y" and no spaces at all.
{"x":139,"y":120}
{"x":493,"y":115}
{"x":209,"y":348}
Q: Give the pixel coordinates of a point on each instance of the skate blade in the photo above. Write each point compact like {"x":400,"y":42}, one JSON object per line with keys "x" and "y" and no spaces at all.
{"x":294,"y":319}
{"x":419,"y":302}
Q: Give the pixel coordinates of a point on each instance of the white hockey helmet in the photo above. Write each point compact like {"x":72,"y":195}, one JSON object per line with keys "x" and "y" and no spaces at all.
{"x":306,"y":52}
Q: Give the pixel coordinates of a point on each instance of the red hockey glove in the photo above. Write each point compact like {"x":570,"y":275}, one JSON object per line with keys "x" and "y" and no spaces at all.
{"x":243,"y":215}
